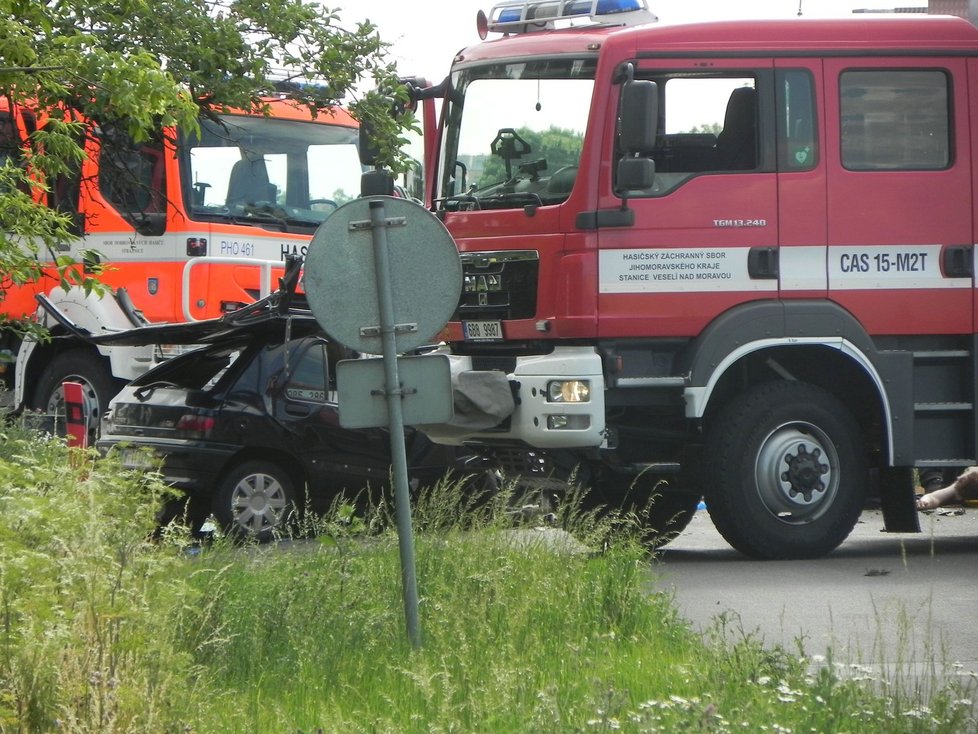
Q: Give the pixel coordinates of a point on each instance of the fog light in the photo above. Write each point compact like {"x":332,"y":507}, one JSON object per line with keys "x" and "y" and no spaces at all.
{"x":568,"y":422}
{"x":569,"y":391}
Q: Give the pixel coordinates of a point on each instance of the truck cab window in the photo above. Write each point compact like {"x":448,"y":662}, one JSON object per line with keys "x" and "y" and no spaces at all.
{"x":515,"y":134}
{"x":797,"y":139}
{"x":269,"y":172}
{"x":10,"y":144}
{"x":132,"y":178}
{"x":895,"y":120}
{"x":709,"y":125}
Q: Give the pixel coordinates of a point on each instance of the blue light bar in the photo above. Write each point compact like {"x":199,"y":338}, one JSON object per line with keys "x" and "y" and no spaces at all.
{"x":520,"y":16}
{"x":603,"y":7}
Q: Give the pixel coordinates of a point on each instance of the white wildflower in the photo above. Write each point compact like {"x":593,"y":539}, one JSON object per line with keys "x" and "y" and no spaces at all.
{"x":921,"y":712}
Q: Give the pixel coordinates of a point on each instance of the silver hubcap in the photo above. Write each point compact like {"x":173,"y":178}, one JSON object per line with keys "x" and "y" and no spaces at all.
{"x":797,"y":473}
{"x":258,"y":503}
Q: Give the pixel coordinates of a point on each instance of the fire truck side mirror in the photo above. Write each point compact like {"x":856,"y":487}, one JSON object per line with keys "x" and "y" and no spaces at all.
{"x":368,"y":150}
{"x":638,"y":117}
{"x":376,"y":183}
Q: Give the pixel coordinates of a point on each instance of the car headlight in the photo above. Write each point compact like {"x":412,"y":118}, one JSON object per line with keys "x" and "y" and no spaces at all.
{"x":569,"y":391}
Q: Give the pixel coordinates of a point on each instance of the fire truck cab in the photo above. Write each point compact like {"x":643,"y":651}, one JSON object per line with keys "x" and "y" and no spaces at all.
{"x":736,"y":256}
{"x":189,"y":227}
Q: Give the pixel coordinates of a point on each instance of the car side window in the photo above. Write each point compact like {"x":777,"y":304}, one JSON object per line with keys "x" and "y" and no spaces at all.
{"x":309,"y":374}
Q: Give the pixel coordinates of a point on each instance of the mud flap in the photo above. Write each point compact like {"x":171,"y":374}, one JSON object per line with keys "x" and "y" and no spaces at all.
{"x":898,"y":500}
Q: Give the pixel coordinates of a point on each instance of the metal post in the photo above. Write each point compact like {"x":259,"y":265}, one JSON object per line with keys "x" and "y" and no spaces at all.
{"x":402,"y":498}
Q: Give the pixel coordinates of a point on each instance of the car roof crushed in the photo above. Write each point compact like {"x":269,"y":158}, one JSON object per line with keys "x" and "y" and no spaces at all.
{"x":284,"y":310}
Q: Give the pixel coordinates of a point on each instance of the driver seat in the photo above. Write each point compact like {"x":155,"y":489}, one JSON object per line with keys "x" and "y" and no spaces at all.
{"x":249,"y":183}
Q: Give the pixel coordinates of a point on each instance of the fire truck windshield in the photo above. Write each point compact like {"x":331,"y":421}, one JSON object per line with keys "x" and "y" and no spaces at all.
{"x":269,"y":171}
{"x":514,"y":133}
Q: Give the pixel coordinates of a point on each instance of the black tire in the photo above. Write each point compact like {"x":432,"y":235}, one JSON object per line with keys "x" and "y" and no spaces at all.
{"x":87,"y":368}
{"x":255,"y":500}
{"x":785,"y":472}
{"x":189,"y":510}
{"x":662,"y":508}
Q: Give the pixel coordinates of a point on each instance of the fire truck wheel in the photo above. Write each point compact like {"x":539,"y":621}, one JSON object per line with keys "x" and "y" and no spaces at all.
{"x":785,"y":471}
{"x":87,"y":368}
{"x":255,"y":500}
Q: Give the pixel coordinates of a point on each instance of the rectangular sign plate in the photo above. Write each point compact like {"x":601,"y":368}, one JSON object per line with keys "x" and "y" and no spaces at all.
{"x":426,"y":383}
{"x":483,"y":331}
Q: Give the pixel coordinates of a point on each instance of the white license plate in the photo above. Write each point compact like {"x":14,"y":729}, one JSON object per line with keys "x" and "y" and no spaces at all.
{"x":483,"y":331}
{"x":138,"y":459}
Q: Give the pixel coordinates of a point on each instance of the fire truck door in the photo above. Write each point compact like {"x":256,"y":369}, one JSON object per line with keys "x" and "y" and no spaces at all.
{"x":702,"y":239}
{"x":900,"y":202}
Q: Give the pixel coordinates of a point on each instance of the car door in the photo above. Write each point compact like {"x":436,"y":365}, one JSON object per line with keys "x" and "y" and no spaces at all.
{"x":304,"y":404}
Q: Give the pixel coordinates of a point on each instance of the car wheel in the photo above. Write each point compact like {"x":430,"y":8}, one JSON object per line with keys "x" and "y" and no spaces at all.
{"x":86,"y":368}
{"x":255,"y":500}
{"x":785,"y":471}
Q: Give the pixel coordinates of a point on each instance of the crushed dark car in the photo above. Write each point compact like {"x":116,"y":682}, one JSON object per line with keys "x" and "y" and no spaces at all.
{"x":246,"y":424}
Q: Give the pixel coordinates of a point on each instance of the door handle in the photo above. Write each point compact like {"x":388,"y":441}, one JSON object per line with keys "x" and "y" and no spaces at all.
{"x":298,"y":411}
{"x":957,"y":261}
{"x":762,"y":263}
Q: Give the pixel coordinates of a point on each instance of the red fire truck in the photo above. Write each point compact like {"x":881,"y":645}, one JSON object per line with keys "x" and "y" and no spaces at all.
{"x":189,"y":227}
{"x":734,"y":256}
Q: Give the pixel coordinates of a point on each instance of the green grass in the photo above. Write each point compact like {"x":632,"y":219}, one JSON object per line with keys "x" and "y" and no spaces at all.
{"x":104,"y":630}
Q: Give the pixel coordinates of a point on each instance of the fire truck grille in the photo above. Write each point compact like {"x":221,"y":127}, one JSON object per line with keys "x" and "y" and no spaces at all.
{"x":498,"y":285}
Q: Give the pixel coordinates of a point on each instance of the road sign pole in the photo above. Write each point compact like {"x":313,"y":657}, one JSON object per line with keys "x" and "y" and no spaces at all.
{"x":402,"y":497}
{"x":410,"y":296}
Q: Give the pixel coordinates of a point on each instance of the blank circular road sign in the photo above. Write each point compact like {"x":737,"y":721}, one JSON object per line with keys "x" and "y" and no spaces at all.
{"x":340,"y":277}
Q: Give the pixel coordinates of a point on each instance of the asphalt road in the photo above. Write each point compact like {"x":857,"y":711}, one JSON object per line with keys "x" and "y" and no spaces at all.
{"x":900,"y":607}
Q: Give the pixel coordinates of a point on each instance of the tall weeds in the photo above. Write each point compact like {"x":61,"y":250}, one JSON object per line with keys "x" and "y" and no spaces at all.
{"x":83,"y":596}
{"x":106,"y":627}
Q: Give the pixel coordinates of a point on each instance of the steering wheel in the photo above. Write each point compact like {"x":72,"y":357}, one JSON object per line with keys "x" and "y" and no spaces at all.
{"x":329,"y":202}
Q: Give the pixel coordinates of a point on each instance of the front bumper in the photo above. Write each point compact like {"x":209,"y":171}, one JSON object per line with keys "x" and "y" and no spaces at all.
{"x":492,"y":407}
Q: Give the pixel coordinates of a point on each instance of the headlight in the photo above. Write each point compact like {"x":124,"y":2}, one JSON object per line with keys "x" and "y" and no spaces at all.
{"x":569,"y":391}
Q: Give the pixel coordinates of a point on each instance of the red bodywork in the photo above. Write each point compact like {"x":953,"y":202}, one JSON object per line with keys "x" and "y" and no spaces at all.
{"x":829,"y":208}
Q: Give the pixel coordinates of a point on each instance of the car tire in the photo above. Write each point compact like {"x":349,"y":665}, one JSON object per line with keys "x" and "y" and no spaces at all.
{"x":87,"y":368}
{"x":256,"y":501}
{"x":785,"y":471}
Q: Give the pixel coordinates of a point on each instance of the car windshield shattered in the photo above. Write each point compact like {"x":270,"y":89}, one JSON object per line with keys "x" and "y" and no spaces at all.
{"x":514,"y":134}
{"x":265,"y":170}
